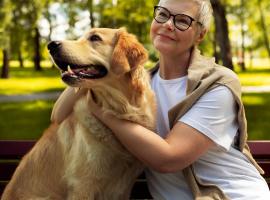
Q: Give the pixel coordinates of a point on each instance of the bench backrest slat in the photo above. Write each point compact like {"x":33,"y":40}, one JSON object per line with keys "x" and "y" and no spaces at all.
{"x":7,"y":169}
{"x":10,"y":149}
{"x":260,"y":149}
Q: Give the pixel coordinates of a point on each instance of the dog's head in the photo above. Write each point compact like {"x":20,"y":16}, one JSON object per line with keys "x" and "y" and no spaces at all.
{"x":99,"y":54}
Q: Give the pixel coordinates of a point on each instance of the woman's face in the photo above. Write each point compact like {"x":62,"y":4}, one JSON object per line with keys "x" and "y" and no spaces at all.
{"x":169,"y":40}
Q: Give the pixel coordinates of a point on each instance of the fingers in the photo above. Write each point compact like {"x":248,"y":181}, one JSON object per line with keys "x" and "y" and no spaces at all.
{"x":65,"y":103}
{"x":94,"y":107}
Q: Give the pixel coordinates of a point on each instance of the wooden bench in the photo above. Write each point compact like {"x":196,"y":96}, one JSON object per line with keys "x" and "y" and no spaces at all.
{"x":12,"y":151}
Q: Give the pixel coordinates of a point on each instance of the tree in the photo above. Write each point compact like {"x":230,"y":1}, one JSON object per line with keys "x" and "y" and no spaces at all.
{"x":222,"y":33}
{"x":90,"y":6}
{"x":4,"y":36}
{"x":26,"y":30}
{"x":18,"y":32}
{"x":264,"y":28}
{"x":136,"y":16}
{"x":242,"y":21}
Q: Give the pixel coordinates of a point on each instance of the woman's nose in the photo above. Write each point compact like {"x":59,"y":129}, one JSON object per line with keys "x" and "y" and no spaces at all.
{"x":170,"y":24}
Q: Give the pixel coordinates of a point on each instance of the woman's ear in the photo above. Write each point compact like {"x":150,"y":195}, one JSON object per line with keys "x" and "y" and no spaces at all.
{"x":128,"y":53}
{"x":201,"y":35}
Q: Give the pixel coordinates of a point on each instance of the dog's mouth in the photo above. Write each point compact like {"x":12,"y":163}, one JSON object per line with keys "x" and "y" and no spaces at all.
{"x":85,"y":72}
{"x":72,"y":71}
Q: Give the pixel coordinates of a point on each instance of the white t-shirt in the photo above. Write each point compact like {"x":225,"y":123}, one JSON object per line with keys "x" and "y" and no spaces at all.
{"x":214,"y":115}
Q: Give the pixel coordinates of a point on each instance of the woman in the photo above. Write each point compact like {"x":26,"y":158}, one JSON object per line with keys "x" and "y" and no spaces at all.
{"x":199,"y":150}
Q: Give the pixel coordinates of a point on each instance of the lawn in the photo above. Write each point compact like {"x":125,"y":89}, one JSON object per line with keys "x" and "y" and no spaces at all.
{"x":26,"y":80}
{"x":257,"y":106}
{"x":27,"y":120}
{"x":255,"y":77}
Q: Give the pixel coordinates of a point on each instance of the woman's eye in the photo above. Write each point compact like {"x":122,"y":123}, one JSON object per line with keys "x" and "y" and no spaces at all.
{"x":94,"y":38}
{"x":162,"y":14}
{"x":183,"y":21}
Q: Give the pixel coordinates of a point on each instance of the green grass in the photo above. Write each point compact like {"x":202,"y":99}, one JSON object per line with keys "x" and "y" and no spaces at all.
{"x":27,"y":120}
{"x":257,"y":108}
{"x":24,"y":120}
{"x":27,"y":80}
{"x":255,"y":77}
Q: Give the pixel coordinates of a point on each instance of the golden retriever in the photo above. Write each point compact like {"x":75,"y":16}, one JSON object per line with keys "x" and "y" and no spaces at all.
{"x":80,"y":158}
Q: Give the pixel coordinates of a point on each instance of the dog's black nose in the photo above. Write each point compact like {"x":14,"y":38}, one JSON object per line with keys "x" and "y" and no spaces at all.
{"x":54,"y":46}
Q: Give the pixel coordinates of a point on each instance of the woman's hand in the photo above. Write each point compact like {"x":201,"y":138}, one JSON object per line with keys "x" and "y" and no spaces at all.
{"x":65,"y":103}
{"x":96,"y":110}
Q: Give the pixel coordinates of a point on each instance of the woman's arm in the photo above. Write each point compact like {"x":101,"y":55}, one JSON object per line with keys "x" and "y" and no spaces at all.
{"x":65,"y":103}
{"x":182,"y":146}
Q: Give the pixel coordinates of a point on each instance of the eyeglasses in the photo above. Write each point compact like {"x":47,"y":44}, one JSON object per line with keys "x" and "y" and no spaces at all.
{"x":181,"y":21}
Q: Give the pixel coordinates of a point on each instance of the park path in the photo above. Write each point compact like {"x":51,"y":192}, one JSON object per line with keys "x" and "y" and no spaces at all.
{"x":55,"y":95}
{"x":30,"y":97}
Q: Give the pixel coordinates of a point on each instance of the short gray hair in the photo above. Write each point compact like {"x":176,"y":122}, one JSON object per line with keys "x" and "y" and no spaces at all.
{"x":205,"y":12}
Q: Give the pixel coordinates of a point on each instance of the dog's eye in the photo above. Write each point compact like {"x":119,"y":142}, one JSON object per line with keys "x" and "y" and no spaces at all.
{"x":94,"y":38}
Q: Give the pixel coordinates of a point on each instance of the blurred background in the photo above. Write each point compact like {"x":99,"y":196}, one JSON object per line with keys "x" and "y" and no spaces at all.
{"x":30,"y":83}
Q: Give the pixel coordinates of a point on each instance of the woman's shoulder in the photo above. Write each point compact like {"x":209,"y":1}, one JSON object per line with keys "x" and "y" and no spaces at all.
{"x":228,"y":78}
{"x":226,"y":72}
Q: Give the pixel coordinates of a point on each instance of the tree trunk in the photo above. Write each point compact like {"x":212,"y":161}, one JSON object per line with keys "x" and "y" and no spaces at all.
{"x":215,"y":47}
{"x":222,"y":33}
{"x":241,"y":61}
{"x":264,"y":28}
{"x":37,"y":58}
{"x":91,"y":11}
{"x":20,"y":58}
{"x":250,"y":58}
{"x":5,"y":67}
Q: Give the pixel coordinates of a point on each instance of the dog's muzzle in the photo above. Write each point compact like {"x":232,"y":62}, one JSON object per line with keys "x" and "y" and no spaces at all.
{"x":73,"y":72}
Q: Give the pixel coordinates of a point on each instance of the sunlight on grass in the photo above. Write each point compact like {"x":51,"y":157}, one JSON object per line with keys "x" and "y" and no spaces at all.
{"x":254,"y":79}
{"x":28,"y":63}
{"x":27,"y":80}
{"x":30,"y":85}
{"x":253,"y":100}
{"x":257,"y":73}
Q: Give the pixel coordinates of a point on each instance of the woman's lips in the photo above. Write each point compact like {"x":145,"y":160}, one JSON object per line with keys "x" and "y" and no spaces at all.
{"x":165,"y":36}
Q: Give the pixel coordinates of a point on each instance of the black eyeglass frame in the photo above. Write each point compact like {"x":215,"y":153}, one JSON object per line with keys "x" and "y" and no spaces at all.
{"x":170,"y":14}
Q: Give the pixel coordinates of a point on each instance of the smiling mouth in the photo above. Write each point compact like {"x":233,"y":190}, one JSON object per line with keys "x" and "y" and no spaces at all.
{"x":165,"y":36}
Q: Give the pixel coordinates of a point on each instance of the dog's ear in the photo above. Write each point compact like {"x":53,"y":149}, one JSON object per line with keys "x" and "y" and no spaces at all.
{"x":128,"y":53}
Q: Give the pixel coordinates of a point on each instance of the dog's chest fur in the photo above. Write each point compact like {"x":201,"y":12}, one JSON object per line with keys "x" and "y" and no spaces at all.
{"x":92,"y":147}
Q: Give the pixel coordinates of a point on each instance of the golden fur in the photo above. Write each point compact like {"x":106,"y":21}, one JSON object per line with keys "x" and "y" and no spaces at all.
{"x":80,"y":158}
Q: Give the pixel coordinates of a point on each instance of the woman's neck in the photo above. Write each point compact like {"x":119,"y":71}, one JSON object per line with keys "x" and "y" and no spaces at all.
{"x":171,"y":67}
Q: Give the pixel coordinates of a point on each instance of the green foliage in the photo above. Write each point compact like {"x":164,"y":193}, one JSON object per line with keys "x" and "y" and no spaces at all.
{"x":5,"y":18}
{"x":23,"y":16}
{"x":136,"y":16}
